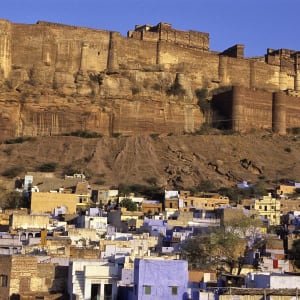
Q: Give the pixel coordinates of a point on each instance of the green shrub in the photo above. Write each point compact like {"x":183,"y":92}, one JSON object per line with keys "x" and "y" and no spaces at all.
{"x":84,"y":134}
{"x":203,"y":102}
{"x":128,"y":204}
{"x":14,"y":200}
{"x":151,"y":192}
{"x":19,"y":140}
{"x":47,"y":167}
{"x":176,"y":89}
{"x":135,"y":90}
{"x":13,"y":172}
{"x":154,"y":136}
{"x":293,"y":130}
{"x":116,"y":134}
{"x":151,"y":180}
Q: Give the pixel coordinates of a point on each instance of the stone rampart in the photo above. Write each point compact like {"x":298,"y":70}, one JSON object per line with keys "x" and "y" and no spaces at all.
{"x":65,"y":78}
{"x":242,"y":109}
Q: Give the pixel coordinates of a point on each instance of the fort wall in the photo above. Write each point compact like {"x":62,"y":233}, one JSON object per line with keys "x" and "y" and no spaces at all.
{"x":242,"y":109}
{"x":134,"y":54}
{"x":5,"y":47}
{"x":105,"y":67}
{"x":69,"y":49}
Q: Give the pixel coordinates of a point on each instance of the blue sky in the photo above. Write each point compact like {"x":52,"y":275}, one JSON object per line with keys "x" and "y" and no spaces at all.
{"x":258,"y":24}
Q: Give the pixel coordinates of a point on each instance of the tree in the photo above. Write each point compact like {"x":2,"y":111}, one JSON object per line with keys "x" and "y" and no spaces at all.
{"x":128,"y":204}
{"x":259,"y":188}
{"x":221,"y":250}
{"x":243,"y":226}
{"x":295,"y":253}
{"x":196,"y":250}
{"x":14,"y":200}
{"x":228,"y":249}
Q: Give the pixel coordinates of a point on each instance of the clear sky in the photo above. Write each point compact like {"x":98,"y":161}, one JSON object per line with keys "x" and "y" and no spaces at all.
{"x":258,"y":24}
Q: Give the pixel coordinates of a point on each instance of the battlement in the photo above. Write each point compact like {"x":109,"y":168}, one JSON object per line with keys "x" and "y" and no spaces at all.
{"x":164,"y":32}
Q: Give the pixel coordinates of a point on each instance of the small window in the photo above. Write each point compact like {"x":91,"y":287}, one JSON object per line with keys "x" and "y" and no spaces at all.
{"x":174,"y":290}
{"x":3,"y":280}
{"x":108,"y":291}
{"x":147,"y":289}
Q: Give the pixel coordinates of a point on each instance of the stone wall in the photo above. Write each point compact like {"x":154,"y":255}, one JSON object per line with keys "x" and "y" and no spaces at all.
{"x":57,"y":79}
{"x":26,"y":275}
{"x":29,"y":221}
{"x":243,"y":109}
{"x":5,"y":270}
{"x":47,"y":202}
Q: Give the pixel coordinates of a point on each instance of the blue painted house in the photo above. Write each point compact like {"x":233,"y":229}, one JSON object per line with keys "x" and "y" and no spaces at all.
{"x":158,"y":279}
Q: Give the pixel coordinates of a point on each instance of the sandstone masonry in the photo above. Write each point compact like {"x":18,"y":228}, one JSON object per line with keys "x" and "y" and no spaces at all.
{"x":56,"y":78}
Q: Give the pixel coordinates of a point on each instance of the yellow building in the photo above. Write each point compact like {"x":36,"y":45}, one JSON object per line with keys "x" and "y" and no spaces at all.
{"x":151,"y":207}
{"x":286,"y":190}
{"x":268,"y":208}
{"x":209,"y":201}
{"x":47,"y":202}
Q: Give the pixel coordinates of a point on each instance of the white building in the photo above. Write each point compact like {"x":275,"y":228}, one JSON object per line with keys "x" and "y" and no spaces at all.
{"x":92,"y":279}
{"x":272,"y":280}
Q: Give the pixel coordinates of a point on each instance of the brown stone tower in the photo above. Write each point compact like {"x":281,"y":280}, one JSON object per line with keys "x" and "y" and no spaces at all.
{"x":279,"y":113}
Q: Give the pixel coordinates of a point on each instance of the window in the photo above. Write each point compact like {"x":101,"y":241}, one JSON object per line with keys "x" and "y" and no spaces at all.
{"x":3,"y":280}
{"x":147,"y":289}
{"x":95,"y":292}
{"x":108,"y":291}
{"x":174,"y":290}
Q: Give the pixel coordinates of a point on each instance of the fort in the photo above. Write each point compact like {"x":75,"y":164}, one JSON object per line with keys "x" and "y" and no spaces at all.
{"x":56,"y":78}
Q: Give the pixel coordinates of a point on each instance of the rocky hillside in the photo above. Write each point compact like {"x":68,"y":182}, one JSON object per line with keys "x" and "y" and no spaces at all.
{"x":168,"y":161}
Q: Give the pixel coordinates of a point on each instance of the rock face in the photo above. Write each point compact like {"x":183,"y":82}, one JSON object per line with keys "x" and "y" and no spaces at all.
{"x":56,"y":79}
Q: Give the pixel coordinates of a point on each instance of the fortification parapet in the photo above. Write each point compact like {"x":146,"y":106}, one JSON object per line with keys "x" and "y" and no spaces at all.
{"x":235,"y":51}
{"x":165,"y":32}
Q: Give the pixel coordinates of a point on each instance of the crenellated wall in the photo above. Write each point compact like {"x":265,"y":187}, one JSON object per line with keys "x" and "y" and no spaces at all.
{"x":62,"y":49}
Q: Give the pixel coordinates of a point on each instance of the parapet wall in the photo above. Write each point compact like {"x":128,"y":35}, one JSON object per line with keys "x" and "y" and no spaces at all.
{"x":62,"y":51}
{"x":165,"y":32}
